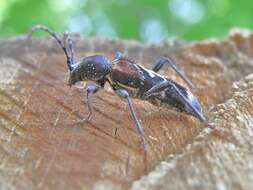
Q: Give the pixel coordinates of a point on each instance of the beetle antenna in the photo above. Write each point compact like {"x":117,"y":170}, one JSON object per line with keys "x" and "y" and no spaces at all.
{"x":53,"y":34}
{"x":70,"y":47}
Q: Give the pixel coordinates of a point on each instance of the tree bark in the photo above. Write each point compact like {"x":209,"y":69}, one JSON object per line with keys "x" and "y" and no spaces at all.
{"x":44,"y":144}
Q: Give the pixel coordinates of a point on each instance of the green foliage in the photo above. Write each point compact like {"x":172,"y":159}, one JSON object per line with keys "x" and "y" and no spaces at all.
{"x":146,"y":20}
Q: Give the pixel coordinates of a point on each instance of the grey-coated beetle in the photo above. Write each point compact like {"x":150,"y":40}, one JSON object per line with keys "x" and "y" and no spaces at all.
{"x":128,"y":80}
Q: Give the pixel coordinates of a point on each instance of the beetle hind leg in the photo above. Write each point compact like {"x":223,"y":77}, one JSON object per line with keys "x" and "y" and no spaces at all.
{"x":164,"y":60}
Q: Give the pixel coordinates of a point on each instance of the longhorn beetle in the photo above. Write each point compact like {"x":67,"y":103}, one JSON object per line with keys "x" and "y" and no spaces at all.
{"x":129,"y":80}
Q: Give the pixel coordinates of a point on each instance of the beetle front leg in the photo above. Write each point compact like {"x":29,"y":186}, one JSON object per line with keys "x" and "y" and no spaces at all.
{"x":124,"y":94}
{"x":165,"y":60}
{"x":91,"y":89}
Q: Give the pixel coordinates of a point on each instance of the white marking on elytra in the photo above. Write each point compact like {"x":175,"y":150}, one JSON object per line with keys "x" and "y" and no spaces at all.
{"x":152,"y":74}
{"x":193,"y":101}
{"x":190,"y":96}
{"x":137,"y":67}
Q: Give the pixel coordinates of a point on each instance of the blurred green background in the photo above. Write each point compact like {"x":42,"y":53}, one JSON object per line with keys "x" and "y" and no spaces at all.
{"x":144,"y":20}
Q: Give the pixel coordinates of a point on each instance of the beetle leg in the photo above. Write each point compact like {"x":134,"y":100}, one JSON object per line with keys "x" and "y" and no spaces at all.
{"x":91,"y":89}
{"x":124,"y":94}
{"x":163,"y":85}
{"x":165,"y":60}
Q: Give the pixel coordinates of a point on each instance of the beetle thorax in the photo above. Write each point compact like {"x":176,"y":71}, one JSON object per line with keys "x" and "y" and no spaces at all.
{"x":92,"y":68}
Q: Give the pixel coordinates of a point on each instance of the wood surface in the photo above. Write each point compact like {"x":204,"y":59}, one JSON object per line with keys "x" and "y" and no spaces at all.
{"x":44,"y":144}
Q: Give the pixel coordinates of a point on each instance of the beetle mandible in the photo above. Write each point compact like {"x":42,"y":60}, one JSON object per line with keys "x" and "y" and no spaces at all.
{"x":129,"y":80}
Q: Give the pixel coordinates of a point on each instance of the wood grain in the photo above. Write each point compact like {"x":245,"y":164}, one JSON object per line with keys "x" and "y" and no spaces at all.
{"x":43,"y":144}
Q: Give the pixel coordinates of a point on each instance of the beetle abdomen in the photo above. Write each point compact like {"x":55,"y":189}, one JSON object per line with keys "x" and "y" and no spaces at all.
{"x":170,"y":98}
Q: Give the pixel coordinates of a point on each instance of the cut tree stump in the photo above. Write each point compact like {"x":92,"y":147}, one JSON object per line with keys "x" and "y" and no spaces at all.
{"x":44,"y":144}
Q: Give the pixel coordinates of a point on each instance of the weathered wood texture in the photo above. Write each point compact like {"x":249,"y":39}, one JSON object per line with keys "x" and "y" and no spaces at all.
{"x":43,"y":144}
